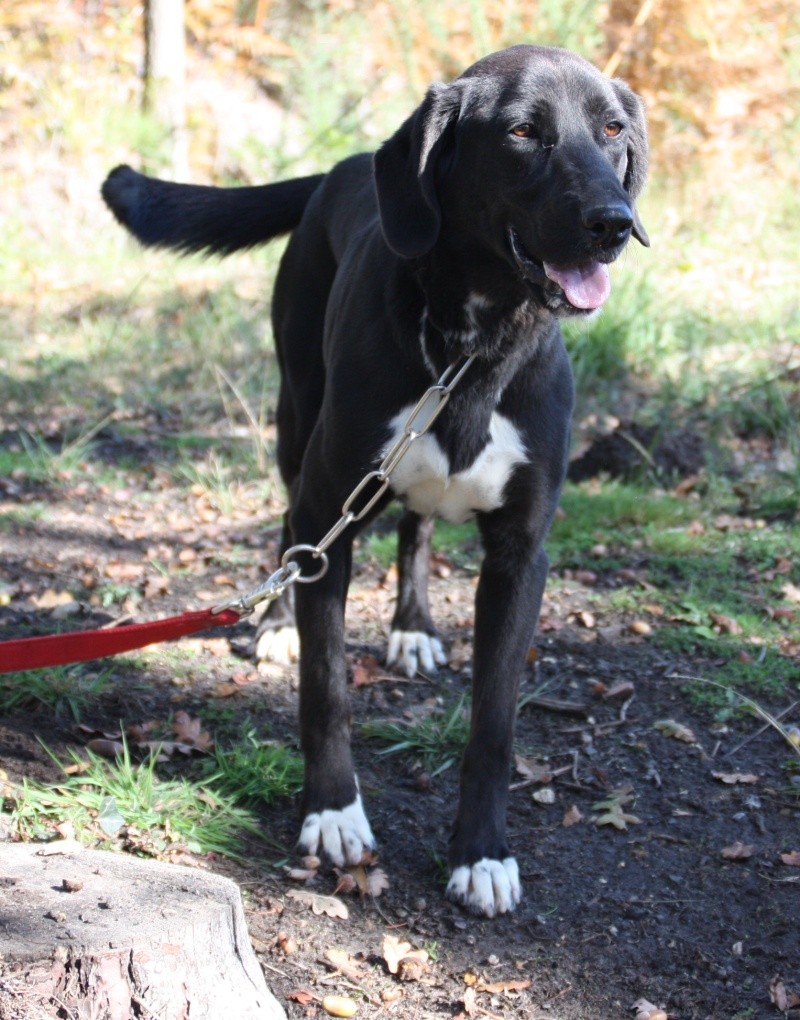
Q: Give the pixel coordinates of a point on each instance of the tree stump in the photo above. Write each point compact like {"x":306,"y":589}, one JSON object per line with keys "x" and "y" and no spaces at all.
{"x":100,"y":936}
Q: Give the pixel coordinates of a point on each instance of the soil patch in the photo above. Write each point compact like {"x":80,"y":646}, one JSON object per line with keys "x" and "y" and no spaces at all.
{"x":662,"y":909}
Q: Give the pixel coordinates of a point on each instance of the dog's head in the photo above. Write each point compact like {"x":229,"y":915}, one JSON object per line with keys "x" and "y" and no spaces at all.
{"x":533,"y":155}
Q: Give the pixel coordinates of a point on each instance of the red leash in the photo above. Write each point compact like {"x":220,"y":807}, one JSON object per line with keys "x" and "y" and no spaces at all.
{"x":81,"y":646}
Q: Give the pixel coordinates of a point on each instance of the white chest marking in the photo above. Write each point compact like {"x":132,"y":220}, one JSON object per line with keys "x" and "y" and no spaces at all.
{"x":423,"y":475}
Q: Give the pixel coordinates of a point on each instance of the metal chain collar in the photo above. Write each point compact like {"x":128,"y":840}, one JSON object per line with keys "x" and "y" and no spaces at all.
{"x":426,"y":411}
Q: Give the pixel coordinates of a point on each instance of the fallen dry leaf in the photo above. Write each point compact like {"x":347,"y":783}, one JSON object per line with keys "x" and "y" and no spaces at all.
{"x":735,"y":777}
{"x":189,"y":731}
{"x":319,"y":904}
{"x":725,"y":624}
{"x":792,"y":592}
{"x":301,"y":995}
{"x":140,"y":731}
{"x":377,"y":882}
{"x":50,"y":599}
{"x":501,"y":987}
{"x":737,"y":851}
{"x":366,"y":670}
{"x":647,"y":1011}
{"x":617,"y":817}
{"x":65,"y":829}
{"x":571,"y":817}
{"x":363,"y":878}
{"x":342,"y":962}
{"x":392,"y":994}
{"x":106,"y":748}
{"x":393,"y":951}
{"x":621,"y":689}
{"x":402,"y":959}
{"x":347,"y":882}
{"x":121,"y":573}
{"x":791,"y":859}
{"x":301,"y":874}
{"x":155,"y":586}
{"x":547,"y":795}
{"x":532,"y":771}
{"x":60,"y":846}
{"x":226,"y":689}
{"x":414,"y":966}
{"x":611,"y":809}
{"x":780,"y":997}
{"x":671,"y":728}
{"x":286,"y":944}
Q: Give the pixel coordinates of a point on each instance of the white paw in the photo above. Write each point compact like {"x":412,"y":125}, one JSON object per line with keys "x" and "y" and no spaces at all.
{"x":343,"y":835}
{"x":488,"y":887}
{"x":278,"y":644}
{"x":413,"y":650}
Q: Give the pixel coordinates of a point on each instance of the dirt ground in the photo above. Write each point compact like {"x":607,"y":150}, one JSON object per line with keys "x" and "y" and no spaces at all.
{"x":662,"y":910}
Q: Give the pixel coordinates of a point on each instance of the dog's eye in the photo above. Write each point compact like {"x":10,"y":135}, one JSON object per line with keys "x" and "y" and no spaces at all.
{"x":524,"y":130}
{"x":612,"y":129}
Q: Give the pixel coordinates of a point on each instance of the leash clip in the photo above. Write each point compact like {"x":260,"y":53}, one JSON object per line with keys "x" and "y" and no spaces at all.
{"x":267,"y":591}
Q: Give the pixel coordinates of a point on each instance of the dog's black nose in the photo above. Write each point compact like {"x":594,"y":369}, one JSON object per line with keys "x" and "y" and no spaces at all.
{"x":609,"y":224}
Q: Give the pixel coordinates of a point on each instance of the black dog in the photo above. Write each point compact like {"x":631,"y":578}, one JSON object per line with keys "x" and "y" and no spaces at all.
{"x":491,"y":213}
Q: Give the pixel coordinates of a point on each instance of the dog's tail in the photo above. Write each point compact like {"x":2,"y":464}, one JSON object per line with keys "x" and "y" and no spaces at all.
{"x":195,"y":218}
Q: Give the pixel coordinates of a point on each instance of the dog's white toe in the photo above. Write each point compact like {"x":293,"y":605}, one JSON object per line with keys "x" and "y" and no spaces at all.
{"x":341,"y":835}
{"x":488,"y":887}
{"x":413,"y":650}
{"x":278,"y":644}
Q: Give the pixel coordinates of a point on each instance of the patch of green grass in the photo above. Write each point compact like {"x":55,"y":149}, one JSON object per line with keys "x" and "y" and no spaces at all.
{"x":51,"y":463}
{"x":65,"y":690}
{"x":613,"y":515}
{"x":737,"y":666}
{"x":111,"y":797}
{"x":435,"y":741}
{"x":21,"y":518}
{"x":253,"y":771}
{"x":713,"y":582}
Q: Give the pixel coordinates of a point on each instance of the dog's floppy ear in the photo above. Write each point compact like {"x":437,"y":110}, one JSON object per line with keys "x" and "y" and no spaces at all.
{"x":636,"y":172}
{"x":405,"y":174}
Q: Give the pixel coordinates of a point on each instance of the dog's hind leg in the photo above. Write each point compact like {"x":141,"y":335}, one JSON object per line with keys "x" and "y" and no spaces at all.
{"x":413,"y":641}
{"x":298,"y":328}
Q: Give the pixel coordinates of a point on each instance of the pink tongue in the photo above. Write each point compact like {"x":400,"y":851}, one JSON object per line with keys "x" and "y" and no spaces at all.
{"x":587,"y":287}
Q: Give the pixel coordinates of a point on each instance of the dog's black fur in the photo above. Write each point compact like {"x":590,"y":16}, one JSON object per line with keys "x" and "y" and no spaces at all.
{"x":486,"y":218}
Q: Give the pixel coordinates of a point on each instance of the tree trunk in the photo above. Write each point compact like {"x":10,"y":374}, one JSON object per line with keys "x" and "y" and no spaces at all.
{"x":165,"y":77}
{"x":101,"y":936}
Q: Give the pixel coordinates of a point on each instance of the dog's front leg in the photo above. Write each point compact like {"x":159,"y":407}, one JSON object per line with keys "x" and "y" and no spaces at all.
{"x":334,"y":822}
{"x":484,"y":876}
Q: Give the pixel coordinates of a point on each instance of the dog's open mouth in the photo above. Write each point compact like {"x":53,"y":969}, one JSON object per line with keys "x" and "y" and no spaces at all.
{"x":586,"y":286}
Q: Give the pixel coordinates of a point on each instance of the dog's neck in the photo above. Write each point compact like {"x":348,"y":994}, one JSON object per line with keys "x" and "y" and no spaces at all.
{"x":459,"y":318}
